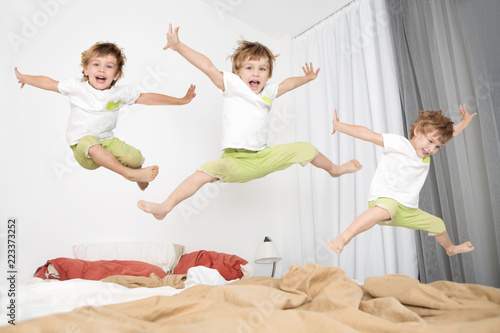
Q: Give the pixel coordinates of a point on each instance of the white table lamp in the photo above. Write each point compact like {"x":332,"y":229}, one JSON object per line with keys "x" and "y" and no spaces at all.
{"x":267,"y":253}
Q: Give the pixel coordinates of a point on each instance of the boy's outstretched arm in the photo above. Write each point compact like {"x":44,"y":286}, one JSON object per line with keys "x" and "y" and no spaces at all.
{"x":160,"y":99}
{"x":359,"y":132}
{"x":42,"y":82}
{"x":466,"y":118}
{"x":199,"y":60}
{"x":294,"y":82}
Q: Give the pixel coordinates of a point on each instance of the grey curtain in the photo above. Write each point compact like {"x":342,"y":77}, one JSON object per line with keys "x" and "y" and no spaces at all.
{"x":448,"y":54}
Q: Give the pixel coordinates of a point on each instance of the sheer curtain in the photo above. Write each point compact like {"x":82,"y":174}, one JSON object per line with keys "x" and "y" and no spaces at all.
{"x":448,"y":54}
{"x":358,"y":78}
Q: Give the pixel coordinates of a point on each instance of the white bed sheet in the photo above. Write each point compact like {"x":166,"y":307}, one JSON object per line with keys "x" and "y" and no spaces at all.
{"x":39,"y":297}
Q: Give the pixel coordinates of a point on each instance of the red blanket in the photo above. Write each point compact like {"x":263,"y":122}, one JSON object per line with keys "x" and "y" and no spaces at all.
{"x":68,"y":268}
{"x":228,"y":265}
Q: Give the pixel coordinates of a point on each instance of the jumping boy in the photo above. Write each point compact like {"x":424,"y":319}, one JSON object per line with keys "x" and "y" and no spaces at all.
{"x":95,"y":102}
{"x":247,"y":99}
{"x":400,"y":175}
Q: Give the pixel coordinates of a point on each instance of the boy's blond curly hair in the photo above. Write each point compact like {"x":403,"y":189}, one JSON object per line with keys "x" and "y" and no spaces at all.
{"x":253,"y":51}
{"x":102,"y":49}
{"x":429,"y":121}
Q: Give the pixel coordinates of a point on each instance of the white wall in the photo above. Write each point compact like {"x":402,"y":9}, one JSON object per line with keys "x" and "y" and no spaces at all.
{"x":58,"y":203}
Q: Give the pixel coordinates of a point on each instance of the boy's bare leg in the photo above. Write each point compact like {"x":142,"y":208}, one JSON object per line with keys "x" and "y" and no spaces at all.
{"x":451,"y":249}
{"x":142,"y":176}
{"x":363,"y":222}
{"x":185,"y":190}
{"x":322,"y":162}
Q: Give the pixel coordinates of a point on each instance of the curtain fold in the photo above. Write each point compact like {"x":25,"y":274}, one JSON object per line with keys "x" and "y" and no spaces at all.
{"x":447,"y":55}
{"x":354,"y":50}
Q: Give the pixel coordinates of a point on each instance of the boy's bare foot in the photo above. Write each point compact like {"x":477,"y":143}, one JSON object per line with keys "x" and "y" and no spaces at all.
{"x":337,"y":244}
{"x":143,"y":176}
{"x":462,"y":248}
{"x":143,"y":185}
{"x":158,"y":211}
{"x":349,"y":167}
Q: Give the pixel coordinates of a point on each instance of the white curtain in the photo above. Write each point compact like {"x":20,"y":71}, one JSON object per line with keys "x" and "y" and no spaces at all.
{"x":358,"y":78}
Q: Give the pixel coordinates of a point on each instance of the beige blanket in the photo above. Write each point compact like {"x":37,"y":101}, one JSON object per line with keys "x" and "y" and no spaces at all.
{"x":153,"y":281}
{"x":308,"y":298}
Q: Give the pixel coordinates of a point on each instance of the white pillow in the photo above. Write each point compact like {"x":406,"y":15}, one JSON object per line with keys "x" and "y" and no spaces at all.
{"x":164,"y":255}
{"x":247,"y":270}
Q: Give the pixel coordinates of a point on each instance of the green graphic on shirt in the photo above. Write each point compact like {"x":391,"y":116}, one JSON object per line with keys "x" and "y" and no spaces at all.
{"x":266,"y":99}
{"x":427,"y":159}
{"x":113,"y":105}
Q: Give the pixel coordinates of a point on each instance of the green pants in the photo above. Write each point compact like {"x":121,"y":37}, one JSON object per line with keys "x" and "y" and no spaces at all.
{"x":125,"y":154}
{"x":411,"y":218}
{"x":241,"y":165}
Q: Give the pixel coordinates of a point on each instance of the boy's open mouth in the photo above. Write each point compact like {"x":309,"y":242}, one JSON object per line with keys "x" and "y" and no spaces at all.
{"x":254,"y":84}
{"x":100,"y":79}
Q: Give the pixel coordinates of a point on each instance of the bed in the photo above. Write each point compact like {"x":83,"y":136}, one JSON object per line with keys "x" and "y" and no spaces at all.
{"x":109,"y":273}
{"x":308,"y":298}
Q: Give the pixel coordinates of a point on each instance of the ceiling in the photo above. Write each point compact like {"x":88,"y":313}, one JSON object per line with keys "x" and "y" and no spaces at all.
{"x":278,"y":18}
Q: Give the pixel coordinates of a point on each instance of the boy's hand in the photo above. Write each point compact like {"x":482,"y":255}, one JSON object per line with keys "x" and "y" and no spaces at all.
{"x":335,"y":121}
{"x":309,"y":71}
{"x":172,"y":38}
{"x":464,"y":116}
{"x":19,"y":77}
{"x":294,"y":82}
{"x":189,"y":95}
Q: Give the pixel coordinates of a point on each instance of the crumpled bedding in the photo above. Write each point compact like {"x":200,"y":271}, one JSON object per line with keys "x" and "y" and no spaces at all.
{"x":153,"y":281}
{"x":308,"y":298}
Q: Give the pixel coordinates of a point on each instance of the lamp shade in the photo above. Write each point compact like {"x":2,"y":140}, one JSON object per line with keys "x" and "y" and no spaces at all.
{"x":267,"y":252}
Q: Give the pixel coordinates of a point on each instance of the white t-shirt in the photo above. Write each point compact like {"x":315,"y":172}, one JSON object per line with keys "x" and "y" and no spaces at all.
{"x":94,"y":112}
{"x":400,"y":174}
{"x":245,"y":119}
